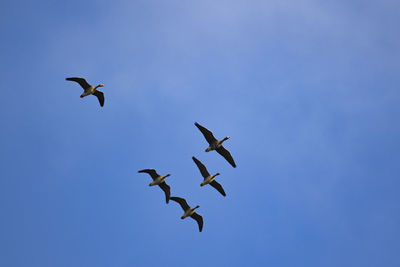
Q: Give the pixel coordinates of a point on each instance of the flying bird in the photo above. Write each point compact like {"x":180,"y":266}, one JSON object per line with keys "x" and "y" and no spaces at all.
{"x":215,"y":144}
{"x":189,"y":211}
{"x":160,"y":181}
{"x":208,"y":178}
{"x":89,"y":89}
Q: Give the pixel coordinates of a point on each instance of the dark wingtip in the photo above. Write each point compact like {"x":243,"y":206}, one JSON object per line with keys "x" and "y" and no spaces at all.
{"x":223,"y":192}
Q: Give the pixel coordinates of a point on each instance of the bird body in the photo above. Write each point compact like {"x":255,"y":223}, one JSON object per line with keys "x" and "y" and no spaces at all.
{"x":89,"y":89}
{"x":159,"y":180}
{"x":215,"y":144}
{"x":208,"y":178}
{"x":189,"y":212}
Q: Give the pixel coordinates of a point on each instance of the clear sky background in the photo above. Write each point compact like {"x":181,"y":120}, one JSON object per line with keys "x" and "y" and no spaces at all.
{"x":307,"y":90}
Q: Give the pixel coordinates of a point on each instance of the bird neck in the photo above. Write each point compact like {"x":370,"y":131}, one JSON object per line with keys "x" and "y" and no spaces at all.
{"x":223,"y":140}
{"x":216,"y":174}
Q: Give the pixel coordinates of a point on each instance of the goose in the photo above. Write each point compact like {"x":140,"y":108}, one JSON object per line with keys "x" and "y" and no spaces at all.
{"x":208,"y":178}
{"x":89,"y":89}
{"x":189,"y":211}
{"x":215,"y":144}
{"x":160,"y":181}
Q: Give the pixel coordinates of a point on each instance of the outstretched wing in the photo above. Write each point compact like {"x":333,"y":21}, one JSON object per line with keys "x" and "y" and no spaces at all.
{"x":81,"y":81}
{"x":217,"y":186}
{"x":208,"y":135}
{"x":152,"y":173}
{"x":201,"y":167}
{"x":100,"y":97}
{"x":199,"y":220}
{"x":181,"y":202}
{"x":225,"y":153}
{"x":167,"y":190}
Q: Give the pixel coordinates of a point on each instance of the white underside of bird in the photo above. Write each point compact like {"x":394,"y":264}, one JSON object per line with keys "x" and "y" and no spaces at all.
{"x":216,"y":145}
{"x":208,"y":180}
{"x":187,"y":213}
{"x":157,"y":181}
{"x":89,"y":91}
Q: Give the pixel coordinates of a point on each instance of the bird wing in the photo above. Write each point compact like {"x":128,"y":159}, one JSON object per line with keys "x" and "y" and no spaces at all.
{"x":201,"y":167}
{"x":225,"y":153}
{"x":167,"y":190}
{"x":208,"y":135}
{"x":152,"y":173}
{"x":199,"y":220}
{"x":181,"y":202}
{"x":217,"y":186}
{"x":81,"y":81}
{"x":100,"y":97}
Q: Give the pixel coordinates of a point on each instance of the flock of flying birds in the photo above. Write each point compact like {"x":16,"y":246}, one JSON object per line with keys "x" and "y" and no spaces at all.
{"x":214,"y":144}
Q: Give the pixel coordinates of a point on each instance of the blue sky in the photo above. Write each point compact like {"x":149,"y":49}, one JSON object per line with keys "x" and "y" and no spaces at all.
{"x":307,"y":90}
